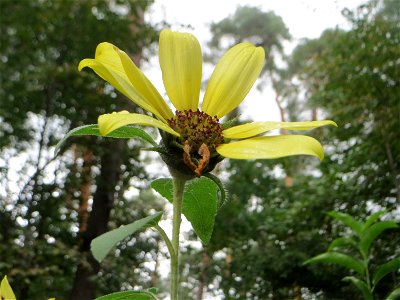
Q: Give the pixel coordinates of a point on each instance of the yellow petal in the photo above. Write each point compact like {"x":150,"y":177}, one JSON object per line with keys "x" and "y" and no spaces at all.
{"x":110,"y":122}
{"x":108,"y":65}
{"x":266,"y":147}
{"x":144,"y":86}
{"x":232,"y":79}
{"x":252,"y":129}
{"x":6,"y":291}
{"x":181,"y":63}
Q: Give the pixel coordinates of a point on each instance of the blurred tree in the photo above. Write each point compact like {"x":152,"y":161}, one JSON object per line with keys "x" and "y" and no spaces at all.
{"x":50,"y":204}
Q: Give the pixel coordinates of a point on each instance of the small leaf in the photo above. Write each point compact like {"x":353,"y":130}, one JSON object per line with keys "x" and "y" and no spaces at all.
{"x":372,"y":218}
{"x":124,"y":132}
{"x":340,"y":259}
{"x":369,"y":236}
{"x":385,"y":269}
{"x":342,"y":242}
{"x":199,"y":206}
{"x":165,"y":187}
{"x":347,"y":220}
{"x":101,"y":245}
{"x":129,"y":295}
{"x":361,"y":285}
{"x":395,"y":295}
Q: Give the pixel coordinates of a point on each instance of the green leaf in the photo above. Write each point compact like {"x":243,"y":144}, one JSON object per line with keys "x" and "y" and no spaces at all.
{"x":361,"y":285}
{"x":129,"y":295}
{"x":372,"y":233}
{"x":165,"y":187}
{"x":342,"y":242}
{"x":395,"y":295}
{"x":124,"y":132}
{"x":101,"y":245}
{"x":199,"y":206}
{"x":347,"y":220}
{"x":222,"y":199}
{"x":385,"y":269}
{"x":339,"y":259}
{"x":372,"y":218}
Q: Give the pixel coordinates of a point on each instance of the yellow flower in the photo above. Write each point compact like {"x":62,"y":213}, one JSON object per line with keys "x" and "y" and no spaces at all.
{"x":196,"y":136}
{"x":6,"y":291}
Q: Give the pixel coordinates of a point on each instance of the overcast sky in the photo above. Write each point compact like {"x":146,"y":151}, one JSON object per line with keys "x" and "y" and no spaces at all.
{"x":304,"y":18}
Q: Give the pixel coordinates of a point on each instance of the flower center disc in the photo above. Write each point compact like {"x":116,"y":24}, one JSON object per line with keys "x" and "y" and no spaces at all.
{"x":197,"y":128}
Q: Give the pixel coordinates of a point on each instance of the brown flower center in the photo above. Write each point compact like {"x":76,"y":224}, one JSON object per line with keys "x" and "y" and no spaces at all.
{"x":197,"y":128}
{"x":200,"y":135}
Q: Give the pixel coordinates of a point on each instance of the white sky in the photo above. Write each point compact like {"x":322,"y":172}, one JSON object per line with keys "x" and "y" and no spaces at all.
{"x":304,"y":18}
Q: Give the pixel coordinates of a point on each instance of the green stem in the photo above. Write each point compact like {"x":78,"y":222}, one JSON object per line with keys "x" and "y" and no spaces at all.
{"x":367,"y":276}
{"x":166,"y":240}
{"x":179,"y":185}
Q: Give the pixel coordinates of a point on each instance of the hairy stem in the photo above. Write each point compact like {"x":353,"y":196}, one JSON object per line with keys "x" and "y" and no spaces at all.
{"x":179,"y":185}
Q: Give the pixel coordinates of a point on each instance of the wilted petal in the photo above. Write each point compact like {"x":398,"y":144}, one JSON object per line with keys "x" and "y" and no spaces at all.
{"x":252,"y":129}
{"x":110,"y":122}
{"x":267,"y":147}
{"x":107,"y":64}
{"x":233,"y":78}
{"x":181,"y":64}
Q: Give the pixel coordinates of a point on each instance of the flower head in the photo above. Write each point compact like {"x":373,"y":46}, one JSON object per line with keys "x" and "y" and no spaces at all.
{"x":193,"y":139}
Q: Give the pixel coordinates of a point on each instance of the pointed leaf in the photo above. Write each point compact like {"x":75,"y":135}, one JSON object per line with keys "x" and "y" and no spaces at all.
{"x":395,"y":295}
{"x":372,"y":218}
{"x":129,"y":295}
{"x":347,"y":220}
{"x":342,"y":242}
{"x":339,"y":259}
{"x":199,"y":206}
{"x":165,"y":187}
{"x":125,"y":132}
{"x":361,"y":285}
{"x":102,"y":244}
{"x":383,"y":270}
{"x":369,"y":236}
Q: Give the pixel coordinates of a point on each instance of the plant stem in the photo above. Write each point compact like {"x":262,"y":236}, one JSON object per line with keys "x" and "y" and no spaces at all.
{"x":179,"y":185}
{"x":166,"y":240}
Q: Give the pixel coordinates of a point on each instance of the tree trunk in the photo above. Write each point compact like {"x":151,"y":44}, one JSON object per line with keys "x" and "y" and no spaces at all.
{"x":203,"y":276}
{"x":103,"y":199}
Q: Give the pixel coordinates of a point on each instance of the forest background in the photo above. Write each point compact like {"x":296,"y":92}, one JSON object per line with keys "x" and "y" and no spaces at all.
{"x":52,"y":207}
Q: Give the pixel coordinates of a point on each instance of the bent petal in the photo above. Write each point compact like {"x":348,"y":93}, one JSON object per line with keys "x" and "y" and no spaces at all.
{"x":266,"y":147}
{"x":252,"y":129}
{"x":107,"y":64}
{"x":144,"y":86}
{"x":181,"y":65}
{"x":110,"y":122}
{"x":232,"y":79}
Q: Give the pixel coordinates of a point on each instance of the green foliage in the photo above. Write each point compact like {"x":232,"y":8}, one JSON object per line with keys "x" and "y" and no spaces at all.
{"x":340,"y":259}
{"x":128,"y":295}
{"x":125,"y":132}
{"x":365,"y":233}
{"x":200,"y":200}
{"x":102,"y":244}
